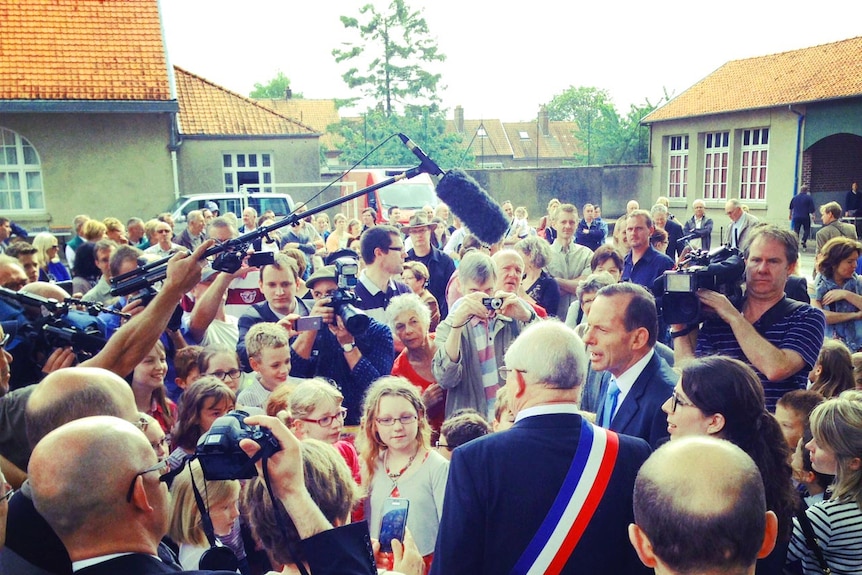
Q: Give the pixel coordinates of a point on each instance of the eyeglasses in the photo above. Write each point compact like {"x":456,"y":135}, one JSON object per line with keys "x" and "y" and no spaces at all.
{"x":396,"y":248}
{"x":156,"y":445}
{"x":142,"y":423}
{"x":163,"y":231}
{"x":676,"y":400}
{"x":327,"y":420}
{"x":224,"y":375}
{"x":505,"y":371}
{"x":9,"y":493}
{"x":390,"y":421}
{"x":438,"y":445}
{"x":161,"y":467}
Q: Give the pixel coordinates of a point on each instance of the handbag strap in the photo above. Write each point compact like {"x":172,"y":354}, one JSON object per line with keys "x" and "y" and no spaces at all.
{"x":811,"y":539}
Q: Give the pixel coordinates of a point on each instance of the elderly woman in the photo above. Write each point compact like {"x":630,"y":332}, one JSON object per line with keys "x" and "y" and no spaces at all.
{"x":409,"y":319}
{"x":723,"y":397}
{"x":538,"y":284}
{"x":415,"y":275}
{"x":838,"y":291}
{"x":337,"y":240}
{"x":51,"y":269}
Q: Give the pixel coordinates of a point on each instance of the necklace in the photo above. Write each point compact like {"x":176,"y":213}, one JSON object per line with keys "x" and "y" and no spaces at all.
{"x":394,"y":476}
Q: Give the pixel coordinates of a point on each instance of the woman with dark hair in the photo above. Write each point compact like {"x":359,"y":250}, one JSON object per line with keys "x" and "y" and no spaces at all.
{"x":723,"y":397}
{"x":833,"y":370}
{"x":838,"y":291}
{"x":85,"y":273}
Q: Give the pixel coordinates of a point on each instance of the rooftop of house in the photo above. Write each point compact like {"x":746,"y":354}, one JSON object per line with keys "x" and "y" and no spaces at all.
{"x":517,"y":140}
{"x":82,"y":50}
{"x":318,"y":114}
{"x":207,"y":109}
{"x":825,"y":72}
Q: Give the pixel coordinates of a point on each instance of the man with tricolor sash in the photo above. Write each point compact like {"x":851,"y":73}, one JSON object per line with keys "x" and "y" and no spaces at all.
{"x":553,"y":494}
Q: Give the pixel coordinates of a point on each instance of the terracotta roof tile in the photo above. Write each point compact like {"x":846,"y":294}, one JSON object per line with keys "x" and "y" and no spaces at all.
{"x":495,"y":142}
{"x":559,"y":143}
{"x":82,"y":50}
{"x":824,"y":72}
{"x":318,"y":114}
{"x":208,"y":109}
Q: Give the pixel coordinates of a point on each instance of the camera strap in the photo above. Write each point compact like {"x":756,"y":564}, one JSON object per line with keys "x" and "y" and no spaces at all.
{"x":217,"y":557}
{"x":777,"y":312}
{"x":277,"y":510}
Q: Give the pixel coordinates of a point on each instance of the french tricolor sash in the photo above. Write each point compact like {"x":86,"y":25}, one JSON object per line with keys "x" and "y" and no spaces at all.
{"x":575,"y":504}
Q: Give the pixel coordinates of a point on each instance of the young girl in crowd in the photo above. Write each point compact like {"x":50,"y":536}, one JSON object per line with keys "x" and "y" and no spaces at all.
{"x":221,"y":499}
{"x":833,"y":371}
{"x":398,"y":460}
{"x":836,"y":449}
{"x":148,"y":385}
{"x":814,"y":482}
{"x":201,"y":404}
{"x":221,"y":362}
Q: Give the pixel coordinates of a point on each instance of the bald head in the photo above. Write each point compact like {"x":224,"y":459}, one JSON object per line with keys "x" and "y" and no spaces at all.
{"x":700,"y":502}
{"x":80,"y":474}
{"x":47,"y":290}
{"x":632,"y":206}
{"x":75,"y":392}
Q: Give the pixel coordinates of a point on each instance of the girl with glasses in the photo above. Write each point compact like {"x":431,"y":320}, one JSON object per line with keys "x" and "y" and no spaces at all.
{"x":221,"y":362}
{"x":723,"y":397}
{"x":398,"y":460}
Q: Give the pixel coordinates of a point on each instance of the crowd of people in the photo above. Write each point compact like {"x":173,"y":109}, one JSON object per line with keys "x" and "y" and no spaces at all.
{"x":515,"y":395}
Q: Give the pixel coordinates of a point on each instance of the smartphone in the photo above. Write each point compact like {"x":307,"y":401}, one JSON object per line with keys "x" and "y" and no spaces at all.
{"x":393,"y":523}
{"x":311,"y":322}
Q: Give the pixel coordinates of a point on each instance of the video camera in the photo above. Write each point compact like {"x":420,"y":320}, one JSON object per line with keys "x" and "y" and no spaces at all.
{"x":721,"y":270}
{"x":220,"y":454}
{"x":342,"y":300}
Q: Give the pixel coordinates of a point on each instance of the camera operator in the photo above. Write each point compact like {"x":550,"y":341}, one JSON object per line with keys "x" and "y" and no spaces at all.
{"x":779,"y":338}
{"x":353,"y":361}
{"x":481,"y":324}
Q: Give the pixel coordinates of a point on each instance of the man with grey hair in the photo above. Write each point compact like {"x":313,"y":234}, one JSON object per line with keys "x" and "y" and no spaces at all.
{"x":194,"y":234}
{"x":743,"y":223}
{"x":710,"y":519}
{"x":699,"y":226}
{"x":833,"y":227}
{"x":495,"y":519}
{"x":479,"y":329}
{"x":661,"y":219}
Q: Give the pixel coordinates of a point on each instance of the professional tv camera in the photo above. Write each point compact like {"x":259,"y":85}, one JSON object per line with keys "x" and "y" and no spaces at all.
{"x":220,"y":454}
{"x":346,"y":272}
{"x":721,"y":270}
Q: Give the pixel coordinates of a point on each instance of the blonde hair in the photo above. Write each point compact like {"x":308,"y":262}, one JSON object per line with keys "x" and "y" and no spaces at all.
{"x":186,"y":522}
{"x":93,"y":230}
{"x":278,"y":400}
{"x":265,"y":335}
{"x":308,"y":395}
{"x":837,"y":426}
{"x":368,"y":441}
{"x":43,"y":242}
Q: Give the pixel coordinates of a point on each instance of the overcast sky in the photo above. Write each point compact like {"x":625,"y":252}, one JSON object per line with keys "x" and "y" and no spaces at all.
{"x":504,"y":59}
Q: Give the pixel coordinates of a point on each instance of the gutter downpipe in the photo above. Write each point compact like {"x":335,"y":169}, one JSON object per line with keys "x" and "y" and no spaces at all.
{"x":800,"y":118}
{"x":175,"y":138}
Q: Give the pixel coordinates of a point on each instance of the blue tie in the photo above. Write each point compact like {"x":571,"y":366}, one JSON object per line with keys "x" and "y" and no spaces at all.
{"x":610,"y":403}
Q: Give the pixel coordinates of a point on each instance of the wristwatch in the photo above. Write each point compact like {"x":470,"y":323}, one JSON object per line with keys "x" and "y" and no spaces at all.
{"x":348,"y":347}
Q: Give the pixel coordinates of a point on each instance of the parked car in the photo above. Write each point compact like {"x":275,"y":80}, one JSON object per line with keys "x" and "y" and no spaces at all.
{"x":281,"y":204}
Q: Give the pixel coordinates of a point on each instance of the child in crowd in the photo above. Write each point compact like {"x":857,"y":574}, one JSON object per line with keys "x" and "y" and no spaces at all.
{"x":201,"y":404}
{"x":221,"y":499}
{"x":268,"y":349}
{"x":792,"y":411}
{"x":814,"y":482}
{"x":157,"y":438}
{"x":462,"y":426}
{"x":186,"y":368}
{"x":836,"y":448}
{"x":221,"y":362}
{"x":504,"y":417}
{"x":148,"y":386}
{"x":833,"y":371}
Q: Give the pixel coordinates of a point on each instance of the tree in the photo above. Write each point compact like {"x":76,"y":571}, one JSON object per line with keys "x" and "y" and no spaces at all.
{"x":275,"y":89}
{"x":605,"y":136}
{"x":424,"y":126}
{"x":394,"y":45}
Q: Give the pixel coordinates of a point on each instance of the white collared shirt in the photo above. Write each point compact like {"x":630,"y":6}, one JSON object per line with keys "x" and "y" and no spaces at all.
{"x":548,"y":409}
{"x":627,"y":379}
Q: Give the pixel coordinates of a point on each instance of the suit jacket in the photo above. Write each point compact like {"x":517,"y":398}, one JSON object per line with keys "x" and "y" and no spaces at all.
{"x":704,"y":233}
{"x":836,"y":229}
{"x":502,"y":486}
{"x":640,"y":412}
{"x":139,"y":564}
{"x":674,"y":232}
{"x":748,"y":222}
{"x":185,"y":239}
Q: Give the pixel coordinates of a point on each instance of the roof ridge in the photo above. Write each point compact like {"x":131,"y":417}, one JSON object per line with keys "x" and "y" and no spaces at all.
{"x":246,"y":99}
{"x":783,"y":52}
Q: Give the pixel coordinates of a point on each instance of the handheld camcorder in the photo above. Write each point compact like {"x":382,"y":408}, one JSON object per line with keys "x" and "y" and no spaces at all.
{"x":721,"y":270}
{"x":342,"y":300}
{"x":220,"y":454}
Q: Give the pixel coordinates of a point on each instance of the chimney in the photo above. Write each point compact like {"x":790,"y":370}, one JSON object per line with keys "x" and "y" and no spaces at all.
{"x":459,"y":119}
{"x":543,"y":121}
{"x":288,"y":93}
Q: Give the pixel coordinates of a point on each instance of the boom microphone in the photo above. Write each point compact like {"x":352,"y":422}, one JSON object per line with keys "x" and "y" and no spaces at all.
{"x":473,"y":206}
{"x":428,"y":165}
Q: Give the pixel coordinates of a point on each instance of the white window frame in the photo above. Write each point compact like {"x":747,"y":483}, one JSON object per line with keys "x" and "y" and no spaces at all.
{"x":21,"y":183}
{"x":716,"y":163}
{"x":234,"y":163}
{"x":753,"y":162}
{"x":677,"y":173}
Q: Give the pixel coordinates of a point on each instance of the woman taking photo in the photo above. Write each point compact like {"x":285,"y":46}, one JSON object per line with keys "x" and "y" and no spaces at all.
{"x":723,"y":397}
{"x":837,"y":291}
{"x":539,"y":286}
{"x":415,"y":275}
{"x":398,"y":460}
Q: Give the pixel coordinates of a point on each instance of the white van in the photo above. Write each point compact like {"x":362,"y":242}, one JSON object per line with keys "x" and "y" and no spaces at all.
{"x":281,"y":204}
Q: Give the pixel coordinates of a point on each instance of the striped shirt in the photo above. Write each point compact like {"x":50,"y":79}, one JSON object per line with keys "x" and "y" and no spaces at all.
{"x":800,"y":331}
{"x":838,"y":528}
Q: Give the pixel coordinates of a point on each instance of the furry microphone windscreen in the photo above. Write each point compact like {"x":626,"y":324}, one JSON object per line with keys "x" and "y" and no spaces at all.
{"x":467,"y":200}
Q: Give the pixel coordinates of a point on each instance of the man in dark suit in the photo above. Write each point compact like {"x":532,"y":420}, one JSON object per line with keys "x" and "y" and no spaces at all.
{"x":621,"y":340}
{"x":500,"y":497}
{"x":700,"y":226}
